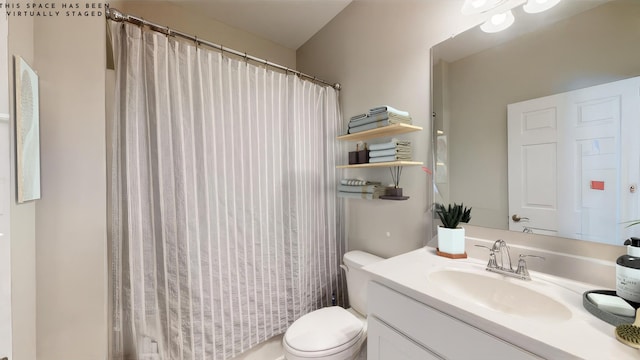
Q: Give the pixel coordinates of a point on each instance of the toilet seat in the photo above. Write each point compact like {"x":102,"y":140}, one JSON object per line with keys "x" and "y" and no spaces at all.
{"x":330,"y":332}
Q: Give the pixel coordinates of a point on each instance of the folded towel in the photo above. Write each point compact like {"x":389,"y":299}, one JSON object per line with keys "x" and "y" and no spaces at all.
{"x":386,"y":108}
{"x":366,"y":189}
{"x":378,"y":191}
{"x":389,"y":158}
{"x":390,"y":152}
{"x":396,"y":119}
{"x":365,"y":120}
{"x":369,"y":126}
{"x":359,"y":116}
{"x":389,"y":145}
{"x":372,"y":125}
{"x":356,"y":182}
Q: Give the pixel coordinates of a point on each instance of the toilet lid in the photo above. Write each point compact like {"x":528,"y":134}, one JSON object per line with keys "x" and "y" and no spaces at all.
{"x":323,"y":329}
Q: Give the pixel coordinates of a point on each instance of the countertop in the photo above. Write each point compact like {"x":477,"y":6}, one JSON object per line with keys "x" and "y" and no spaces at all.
{"x":582,"y":336}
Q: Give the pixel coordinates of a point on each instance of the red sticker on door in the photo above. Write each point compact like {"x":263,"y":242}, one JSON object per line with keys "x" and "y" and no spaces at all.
{"x":597,"y":185}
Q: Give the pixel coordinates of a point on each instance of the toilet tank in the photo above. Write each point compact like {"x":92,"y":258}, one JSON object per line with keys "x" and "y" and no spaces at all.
{"x":357,"y":278}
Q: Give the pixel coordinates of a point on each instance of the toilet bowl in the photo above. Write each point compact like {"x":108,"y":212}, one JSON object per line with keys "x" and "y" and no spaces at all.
{"x":334,"y":333}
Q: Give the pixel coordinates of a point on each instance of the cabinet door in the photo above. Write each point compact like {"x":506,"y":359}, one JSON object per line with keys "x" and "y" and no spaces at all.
{"x":437,"y":331}
{"x":385,"y":343}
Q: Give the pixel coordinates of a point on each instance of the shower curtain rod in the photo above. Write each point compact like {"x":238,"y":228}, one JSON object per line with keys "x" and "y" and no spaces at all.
{"x":118,"y":16}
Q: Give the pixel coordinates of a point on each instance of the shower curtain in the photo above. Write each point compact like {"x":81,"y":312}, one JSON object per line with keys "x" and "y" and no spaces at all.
{"x":225,"y":226}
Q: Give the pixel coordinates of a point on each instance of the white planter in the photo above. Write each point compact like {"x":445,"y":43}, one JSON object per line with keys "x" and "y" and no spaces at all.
{"x":451,"y":241}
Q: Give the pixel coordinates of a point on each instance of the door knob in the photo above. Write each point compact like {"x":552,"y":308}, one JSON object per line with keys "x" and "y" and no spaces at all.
{"x":517,"y":218}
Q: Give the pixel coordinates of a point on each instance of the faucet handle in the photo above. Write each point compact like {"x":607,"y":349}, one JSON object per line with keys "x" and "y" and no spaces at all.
{"x":492,"y":264}
{"x":522,"y":266}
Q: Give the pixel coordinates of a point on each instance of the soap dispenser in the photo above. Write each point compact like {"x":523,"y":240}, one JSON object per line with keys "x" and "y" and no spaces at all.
{"x":628,"y":272}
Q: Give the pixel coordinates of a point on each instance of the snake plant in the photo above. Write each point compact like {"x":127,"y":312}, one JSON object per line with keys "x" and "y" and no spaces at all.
{"x":631,"y":223}
{"x":452,"y":215}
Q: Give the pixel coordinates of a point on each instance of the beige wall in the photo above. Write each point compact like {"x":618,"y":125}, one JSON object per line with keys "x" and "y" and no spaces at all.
{"x":379,"y":52}
{"x":178,"y":18}
{"x":71,"y":216}
{"x":384,"y":61}
{"x":59,"y":305}
{"x":59,"y":249}
{"x":23,"y":221}
{"x":5,"y":191}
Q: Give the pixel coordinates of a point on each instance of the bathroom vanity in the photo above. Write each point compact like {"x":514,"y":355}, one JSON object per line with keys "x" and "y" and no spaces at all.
{"x":423,"y":306}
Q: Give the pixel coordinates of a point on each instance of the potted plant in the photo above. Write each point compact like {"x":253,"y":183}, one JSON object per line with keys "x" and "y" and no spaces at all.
{"x":450,"y":235}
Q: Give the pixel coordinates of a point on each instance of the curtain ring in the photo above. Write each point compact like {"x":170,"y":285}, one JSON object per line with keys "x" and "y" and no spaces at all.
{"x":246,"y":58}
{"x":168,"y":31}
{"x":195,"y":39}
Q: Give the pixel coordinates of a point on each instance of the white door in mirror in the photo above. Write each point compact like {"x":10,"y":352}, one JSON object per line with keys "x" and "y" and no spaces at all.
{"x":563,"y":155}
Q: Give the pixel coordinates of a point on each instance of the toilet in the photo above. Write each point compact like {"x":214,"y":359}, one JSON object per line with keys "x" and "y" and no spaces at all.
{"x":334,"y":333}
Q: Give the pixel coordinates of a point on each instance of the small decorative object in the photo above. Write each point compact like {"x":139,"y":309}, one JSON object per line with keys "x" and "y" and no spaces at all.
{"x":450,"y":235}
{"x":394,"y":192}
{"x":353,"y":157}
{"x":363,"y":154}
{"x":27,"y":131}
{"x":628,"y":272}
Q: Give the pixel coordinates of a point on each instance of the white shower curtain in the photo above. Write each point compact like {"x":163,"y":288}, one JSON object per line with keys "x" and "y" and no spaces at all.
{"x":225,"y":225}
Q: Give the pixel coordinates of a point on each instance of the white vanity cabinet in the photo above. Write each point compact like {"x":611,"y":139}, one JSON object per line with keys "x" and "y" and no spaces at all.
{"x":403,"y":328}
{"x":385,"y":342}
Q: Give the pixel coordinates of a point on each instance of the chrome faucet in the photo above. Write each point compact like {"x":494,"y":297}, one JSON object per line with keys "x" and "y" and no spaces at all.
{"x":500,"y":247}
{"x":504,"y":266}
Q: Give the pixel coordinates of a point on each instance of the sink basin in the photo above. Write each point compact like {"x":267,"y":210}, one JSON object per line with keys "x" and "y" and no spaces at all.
{"x":499,"y":294}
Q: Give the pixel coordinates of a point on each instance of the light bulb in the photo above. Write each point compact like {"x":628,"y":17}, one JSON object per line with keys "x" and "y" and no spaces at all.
{"x":478,"y":3}
{"x":498,"y":22}
{"x":479,"y":6}
{"x":498,"y":19}
{"x":537,"y":6}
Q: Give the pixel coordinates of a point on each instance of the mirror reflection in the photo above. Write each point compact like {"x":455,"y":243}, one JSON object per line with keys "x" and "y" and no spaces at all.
{"x":537,"y":126}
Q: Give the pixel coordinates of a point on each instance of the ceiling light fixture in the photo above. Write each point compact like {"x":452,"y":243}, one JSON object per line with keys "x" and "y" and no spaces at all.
{"x":479,"y":6}
{"x":498,"y":22}
{"x":537,"y":6}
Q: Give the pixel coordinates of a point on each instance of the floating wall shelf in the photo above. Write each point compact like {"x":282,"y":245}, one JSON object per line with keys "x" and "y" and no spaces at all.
{"x":390,"y":130}
{"x":382,"y":164}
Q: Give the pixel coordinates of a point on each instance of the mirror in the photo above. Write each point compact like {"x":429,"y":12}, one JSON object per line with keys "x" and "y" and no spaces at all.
{"x":476,"y":76}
